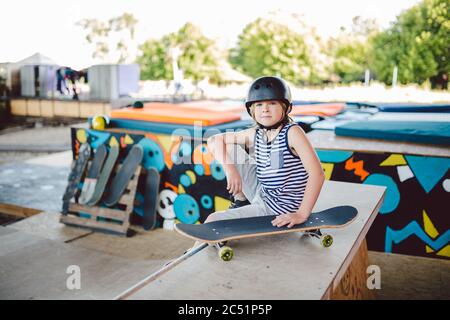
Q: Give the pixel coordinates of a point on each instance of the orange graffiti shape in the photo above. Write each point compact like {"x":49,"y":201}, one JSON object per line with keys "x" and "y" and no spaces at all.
{"x":358,"y":166}
{"x":171,"y":186}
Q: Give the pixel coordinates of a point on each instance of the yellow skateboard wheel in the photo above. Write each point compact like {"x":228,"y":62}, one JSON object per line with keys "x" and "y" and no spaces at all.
{"x":326,"y":240}
{"x":226,"y":253}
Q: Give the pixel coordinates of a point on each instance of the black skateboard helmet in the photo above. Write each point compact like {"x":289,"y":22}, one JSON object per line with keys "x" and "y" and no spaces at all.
{"x":270,"y":88}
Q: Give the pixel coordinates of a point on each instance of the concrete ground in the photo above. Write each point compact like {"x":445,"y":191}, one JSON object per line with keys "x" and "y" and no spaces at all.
{"x":28,"y":143}
{"x":42,"y":242}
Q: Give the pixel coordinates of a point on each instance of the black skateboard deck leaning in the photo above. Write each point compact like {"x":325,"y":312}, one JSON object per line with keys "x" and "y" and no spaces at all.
{"x":217,"y":232}
{"x":93,"y":174}
{"x":104,"y":176}
{"x":124,"y":175}
{"x":78,"y":168}
{"x":151,"y":198}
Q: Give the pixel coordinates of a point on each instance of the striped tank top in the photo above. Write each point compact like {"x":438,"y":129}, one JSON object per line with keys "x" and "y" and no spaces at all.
{"x":281,"y":173}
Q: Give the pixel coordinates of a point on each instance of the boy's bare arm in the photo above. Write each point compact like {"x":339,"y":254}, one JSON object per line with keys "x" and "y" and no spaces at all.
{"x":316,"y":177}
{"x":311,"y":162}
{"x":218,"y":147}
{"x":217,"y":144}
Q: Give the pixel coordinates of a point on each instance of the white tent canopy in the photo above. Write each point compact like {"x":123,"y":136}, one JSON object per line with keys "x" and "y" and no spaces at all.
{"x":36,"y":59}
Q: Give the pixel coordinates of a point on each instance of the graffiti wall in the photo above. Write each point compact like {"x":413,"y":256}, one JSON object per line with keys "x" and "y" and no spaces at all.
{"x":192,"y":184}
{"x":414,"y":217}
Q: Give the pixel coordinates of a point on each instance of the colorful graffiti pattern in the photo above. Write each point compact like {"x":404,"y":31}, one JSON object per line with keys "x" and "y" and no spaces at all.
{"x":192,"y":183}
{"x":413,"y":218}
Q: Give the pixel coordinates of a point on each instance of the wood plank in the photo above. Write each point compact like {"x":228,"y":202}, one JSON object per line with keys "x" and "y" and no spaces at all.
{"x":91,"y":109}
{"x":99,"y":211}
{"x":19,"y":107}
{"x":353,"y":286}
{"x":34,"y":107}
{"x":67,"y":109}
{"x":47,"y":108}
{"x":18,"y":211}
{"x":72,"y":220}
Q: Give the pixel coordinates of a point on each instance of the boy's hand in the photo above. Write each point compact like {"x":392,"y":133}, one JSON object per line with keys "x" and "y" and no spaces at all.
{"x":290,"y":219}
{"x":234,"y":181}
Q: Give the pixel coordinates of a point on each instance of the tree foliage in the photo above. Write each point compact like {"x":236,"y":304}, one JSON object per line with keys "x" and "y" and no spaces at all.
{"x":101,"y":34}
{"x":199,"y":58}
{"x":266,"y":47}
{"x":417,"y":43}
{"x":350,"y":50}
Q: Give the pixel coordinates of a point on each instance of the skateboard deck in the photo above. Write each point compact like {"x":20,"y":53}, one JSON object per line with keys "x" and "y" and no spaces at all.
{"x":124,"y":175}
{"x":104,"y":176}
{"x":93,"y":173}
{"x":151,"y":198}
{"x":217,"y":232}
{"x":77,"y":171}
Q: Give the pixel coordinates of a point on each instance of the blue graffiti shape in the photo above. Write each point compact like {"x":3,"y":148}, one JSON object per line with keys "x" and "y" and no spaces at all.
{"x":392,"y":198}
{"x":153,"y":155}
{"x":333,"y":156}
{"x":199,"y":169}
{"x":428,"y":170}
{"x":186,"y":209}
{"x":217,"y":171}
{"x":185,"y":180}
{"x":206,"y":202}
{"x":97,"y":138}
{"x":413,"y":228}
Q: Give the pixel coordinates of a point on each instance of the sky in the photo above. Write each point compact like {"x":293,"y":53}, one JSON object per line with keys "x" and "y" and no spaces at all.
{"x":49,"y":26}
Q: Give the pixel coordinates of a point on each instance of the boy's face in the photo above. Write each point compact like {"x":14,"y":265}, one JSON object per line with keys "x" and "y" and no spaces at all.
{"x":268,"y":112}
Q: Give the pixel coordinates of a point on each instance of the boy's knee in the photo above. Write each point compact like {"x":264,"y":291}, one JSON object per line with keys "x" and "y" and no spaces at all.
{"x":212,"y":217}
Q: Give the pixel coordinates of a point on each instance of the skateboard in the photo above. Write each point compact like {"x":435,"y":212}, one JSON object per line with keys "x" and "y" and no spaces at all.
{"x":104,"y":176}
{"x":150,"y":198}
{"x":76,"y":173}
{"x":124,"y":175}
{"x":92,"y":176}
{"x":218,"y":232}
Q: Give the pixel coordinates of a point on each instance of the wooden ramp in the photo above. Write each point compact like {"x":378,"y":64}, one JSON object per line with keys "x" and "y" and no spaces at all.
{"x":36,"y":252}
{"x":288,"y":266}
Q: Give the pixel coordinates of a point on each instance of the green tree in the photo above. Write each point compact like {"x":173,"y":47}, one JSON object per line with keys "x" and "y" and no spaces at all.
{"x":266,"y":48}
{"x":199,"y":58}
{"x":350,"y":50}
{"x":100,"y":34}
{"x":417,"y":43}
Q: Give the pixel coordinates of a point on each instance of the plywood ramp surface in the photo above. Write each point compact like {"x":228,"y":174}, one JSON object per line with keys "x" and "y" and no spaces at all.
{"x":286,"y":266}
{"x":35,"y":268}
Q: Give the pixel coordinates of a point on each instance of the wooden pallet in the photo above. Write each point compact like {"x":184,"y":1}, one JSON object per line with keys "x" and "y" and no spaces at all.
{"x":98,"y":214}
